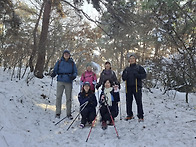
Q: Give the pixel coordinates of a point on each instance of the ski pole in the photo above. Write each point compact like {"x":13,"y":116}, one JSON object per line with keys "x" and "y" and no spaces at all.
{"x":85,"y":104}
{"x":66,"y":116}
{"x":126,"y":87}
{"x":120,"y":111}
{"x":49,"y":93}
{"x":98,"y":94}
{"x":136,"y":84}
{"x":112,"y":119}
{"x":93,"y":124}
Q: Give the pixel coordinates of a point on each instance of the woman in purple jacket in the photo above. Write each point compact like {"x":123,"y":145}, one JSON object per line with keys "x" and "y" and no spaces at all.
{"x":107,"y":73}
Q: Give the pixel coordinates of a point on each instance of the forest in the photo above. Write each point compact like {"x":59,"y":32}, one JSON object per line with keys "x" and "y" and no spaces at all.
{"x":34,"y":34}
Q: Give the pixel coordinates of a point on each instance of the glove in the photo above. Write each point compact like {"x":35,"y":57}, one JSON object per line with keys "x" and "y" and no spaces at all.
{"x":125,"y":74}
{"x":94,"y":82}
{"x":116,"y":88}
{"x":90,"y":102}
{"x":97,"y":86}
{"x":81,"y":83}
{"x":53,"y":75}
{"x":72,"y":77}
{"x":126,"y":71}
{"x":102,"y":98}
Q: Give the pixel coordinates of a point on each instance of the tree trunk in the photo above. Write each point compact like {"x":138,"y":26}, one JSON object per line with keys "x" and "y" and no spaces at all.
{"x":34,"y":50}
{"x":39,"y":68}
{"x":121,"y":64}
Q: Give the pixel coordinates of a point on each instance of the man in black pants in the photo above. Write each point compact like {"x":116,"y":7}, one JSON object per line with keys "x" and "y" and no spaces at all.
{"x":133,"y":76}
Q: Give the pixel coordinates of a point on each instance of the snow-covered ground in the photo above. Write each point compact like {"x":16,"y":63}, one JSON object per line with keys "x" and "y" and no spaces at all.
{"x":27,"y":119}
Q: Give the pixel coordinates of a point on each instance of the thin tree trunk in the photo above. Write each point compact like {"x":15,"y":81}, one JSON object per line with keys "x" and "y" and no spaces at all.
{"x":121,"y":64}
{"x":39,"y":68}
{"x":34,"y":50}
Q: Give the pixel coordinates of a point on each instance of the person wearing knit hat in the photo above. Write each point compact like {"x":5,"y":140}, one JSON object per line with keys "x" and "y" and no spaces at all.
{"x":133,"y":76}
{"x":88,"y":65}
{"x":87,"y":83}
{"x":89,"y":76}
{"x":66,"y":72}
{"x":66,"y":51}
{"x":133,"y":54}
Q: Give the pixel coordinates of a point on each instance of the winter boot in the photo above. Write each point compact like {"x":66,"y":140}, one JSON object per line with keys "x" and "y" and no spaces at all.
{"x":70,"y":117}
{"x":104,"y":125}
{"x":109,"y":123}
{"x":57,"y":116}
{"x":140,"y":120}
{"x":81,"y":126}
{"x":129,"y":118}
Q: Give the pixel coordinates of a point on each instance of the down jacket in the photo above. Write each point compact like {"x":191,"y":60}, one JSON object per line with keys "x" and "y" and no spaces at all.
{"x":133,"y":72}
{"x":90,"y":97}
{"x":66,"y":70}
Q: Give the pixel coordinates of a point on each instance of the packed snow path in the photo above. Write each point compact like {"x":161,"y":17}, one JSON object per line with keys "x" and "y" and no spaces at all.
{"x":27,"y":119}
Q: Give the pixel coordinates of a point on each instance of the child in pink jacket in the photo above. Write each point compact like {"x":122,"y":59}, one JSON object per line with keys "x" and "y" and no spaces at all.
{"x":89,"y":76}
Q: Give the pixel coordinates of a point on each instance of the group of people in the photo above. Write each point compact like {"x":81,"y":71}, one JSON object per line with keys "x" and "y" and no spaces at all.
{"x":109,"y":97}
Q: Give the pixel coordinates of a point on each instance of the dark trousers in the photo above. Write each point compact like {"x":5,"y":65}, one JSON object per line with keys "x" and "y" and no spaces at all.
{"x":131,"y":91}
{"x":87,"y":115}
{"x":105,"y":114}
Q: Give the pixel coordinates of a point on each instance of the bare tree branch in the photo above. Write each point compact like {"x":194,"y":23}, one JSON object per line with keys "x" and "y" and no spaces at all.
{"x":87,"y":16}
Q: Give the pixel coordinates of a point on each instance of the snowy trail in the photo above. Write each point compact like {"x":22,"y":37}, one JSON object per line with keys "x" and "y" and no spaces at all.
{"x":24,"y":120}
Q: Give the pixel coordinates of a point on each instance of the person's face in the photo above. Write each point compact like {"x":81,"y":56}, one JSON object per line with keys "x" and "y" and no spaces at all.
{"x":107,"y":84}
{"x":66,"y":56}
{"x":132,"y":60}
{"x":89,"y":68}
{"x":86,"y":88}
{"x":107,"y":66}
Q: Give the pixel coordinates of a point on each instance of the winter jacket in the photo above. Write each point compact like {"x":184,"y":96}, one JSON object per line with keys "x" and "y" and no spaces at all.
{"x":107,"y":75}
{"x":116,"y":99}
{"x":133,"y":72}
{"x":66,"y":70}
{"x":90,"y":97}
{"x":89,"y":76}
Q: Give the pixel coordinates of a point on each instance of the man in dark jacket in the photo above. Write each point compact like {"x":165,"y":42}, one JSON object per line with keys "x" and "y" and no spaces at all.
{"x":133,"y":76}
{"x":66,"y":70}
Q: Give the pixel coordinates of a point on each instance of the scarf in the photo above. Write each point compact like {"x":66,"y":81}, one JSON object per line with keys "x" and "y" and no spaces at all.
{"x":108,"y":95}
